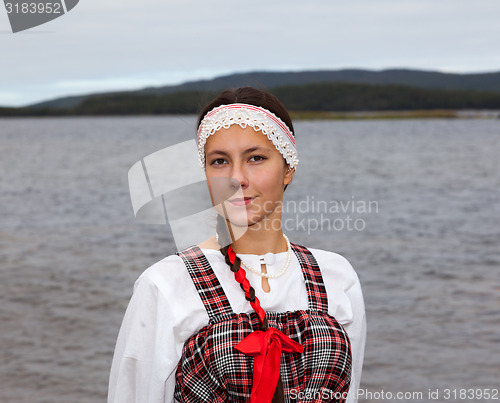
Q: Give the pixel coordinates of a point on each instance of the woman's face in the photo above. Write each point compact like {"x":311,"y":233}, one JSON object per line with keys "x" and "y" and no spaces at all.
{"x":237,"y":157}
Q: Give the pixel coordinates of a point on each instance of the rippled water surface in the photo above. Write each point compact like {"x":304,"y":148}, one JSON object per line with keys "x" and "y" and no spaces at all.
{"x":414,"y":205}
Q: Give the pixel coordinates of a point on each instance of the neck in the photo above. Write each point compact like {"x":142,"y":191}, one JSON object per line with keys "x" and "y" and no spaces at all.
{"x":259,"y":241}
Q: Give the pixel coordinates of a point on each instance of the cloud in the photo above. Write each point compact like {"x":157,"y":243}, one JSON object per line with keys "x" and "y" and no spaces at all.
{"x":99,"y":45}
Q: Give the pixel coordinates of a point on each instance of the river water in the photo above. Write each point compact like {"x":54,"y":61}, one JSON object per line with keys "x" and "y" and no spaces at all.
{"x":414,"y":205}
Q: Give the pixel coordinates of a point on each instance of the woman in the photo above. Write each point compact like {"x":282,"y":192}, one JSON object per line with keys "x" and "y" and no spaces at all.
{"x":246,"y":315}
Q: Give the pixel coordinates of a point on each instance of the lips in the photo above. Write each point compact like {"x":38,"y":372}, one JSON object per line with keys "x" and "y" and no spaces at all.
{"x":241,"y":201}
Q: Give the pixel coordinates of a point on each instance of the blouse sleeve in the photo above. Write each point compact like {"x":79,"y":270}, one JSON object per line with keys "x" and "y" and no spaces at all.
{"x":152,"y":334}
{"x":356,"y":330}
{"x":346,"y":304}
{"x":138,"y":371}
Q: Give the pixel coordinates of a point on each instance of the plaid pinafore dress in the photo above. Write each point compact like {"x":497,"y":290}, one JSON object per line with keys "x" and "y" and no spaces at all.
{"x":212,"y":370}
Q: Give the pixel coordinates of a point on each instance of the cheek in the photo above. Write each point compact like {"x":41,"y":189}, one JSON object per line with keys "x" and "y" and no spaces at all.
{"x":272,"y":182}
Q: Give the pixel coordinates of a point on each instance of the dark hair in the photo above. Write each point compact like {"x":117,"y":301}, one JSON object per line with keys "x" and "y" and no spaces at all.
{"x":251,"y":96}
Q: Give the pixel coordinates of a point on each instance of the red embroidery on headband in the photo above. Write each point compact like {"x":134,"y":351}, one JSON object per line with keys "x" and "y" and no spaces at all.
{"x":276,"y":120}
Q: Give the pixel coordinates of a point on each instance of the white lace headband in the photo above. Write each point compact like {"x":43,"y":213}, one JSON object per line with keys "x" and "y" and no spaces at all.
{"x":248,"y":115}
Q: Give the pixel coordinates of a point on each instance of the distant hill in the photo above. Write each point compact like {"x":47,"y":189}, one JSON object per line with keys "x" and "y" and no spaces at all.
{"x":485,"y":82}
{"x":412,"y":78}
{"x":321,"y":98}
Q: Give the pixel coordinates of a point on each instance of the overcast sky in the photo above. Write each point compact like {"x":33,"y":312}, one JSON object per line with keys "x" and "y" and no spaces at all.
{"x":102,"y":45}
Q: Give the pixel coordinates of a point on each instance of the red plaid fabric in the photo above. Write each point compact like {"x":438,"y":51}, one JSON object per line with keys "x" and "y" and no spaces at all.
{"x":212,"y":370}
{"x":318,"y":300}
{"x":206,"y":282}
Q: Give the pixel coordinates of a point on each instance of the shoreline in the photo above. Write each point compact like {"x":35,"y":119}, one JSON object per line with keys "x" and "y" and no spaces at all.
{"x":314,"y":115}
{"x":407,"y":114}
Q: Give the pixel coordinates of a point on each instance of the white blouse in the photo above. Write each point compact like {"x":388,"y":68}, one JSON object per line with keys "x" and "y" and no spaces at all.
{"x":165,"y":310}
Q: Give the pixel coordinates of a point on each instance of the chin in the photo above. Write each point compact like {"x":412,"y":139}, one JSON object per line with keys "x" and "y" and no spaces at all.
{"x":239,"y":220}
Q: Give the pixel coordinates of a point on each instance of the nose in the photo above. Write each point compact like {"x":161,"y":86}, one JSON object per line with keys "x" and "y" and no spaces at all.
{"x":239,"y":176}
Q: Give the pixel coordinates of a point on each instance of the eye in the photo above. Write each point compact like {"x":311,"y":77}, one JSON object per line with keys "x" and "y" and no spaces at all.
{"x":257,"y":158}
{"x":218,"y":161}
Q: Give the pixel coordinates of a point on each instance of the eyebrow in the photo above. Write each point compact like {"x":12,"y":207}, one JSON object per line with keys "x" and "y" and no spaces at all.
{"x":247,"y":151}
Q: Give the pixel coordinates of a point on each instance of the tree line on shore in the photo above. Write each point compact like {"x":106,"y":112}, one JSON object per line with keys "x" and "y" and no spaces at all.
{"x":319,"y":97}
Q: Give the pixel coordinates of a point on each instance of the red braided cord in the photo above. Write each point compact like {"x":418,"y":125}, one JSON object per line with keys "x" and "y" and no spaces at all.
{"x":240,"y":277}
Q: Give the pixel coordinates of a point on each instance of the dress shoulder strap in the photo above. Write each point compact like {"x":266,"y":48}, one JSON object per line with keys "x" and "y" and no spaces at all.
{"x":209,"y":289}
{"x":215,"y":300}
{"x":316,"y":291}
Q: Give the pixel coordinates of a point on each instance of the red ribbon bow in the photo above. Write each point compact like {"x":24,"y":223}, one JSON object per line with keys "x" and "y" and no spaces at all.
{"x":266,"y":347}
